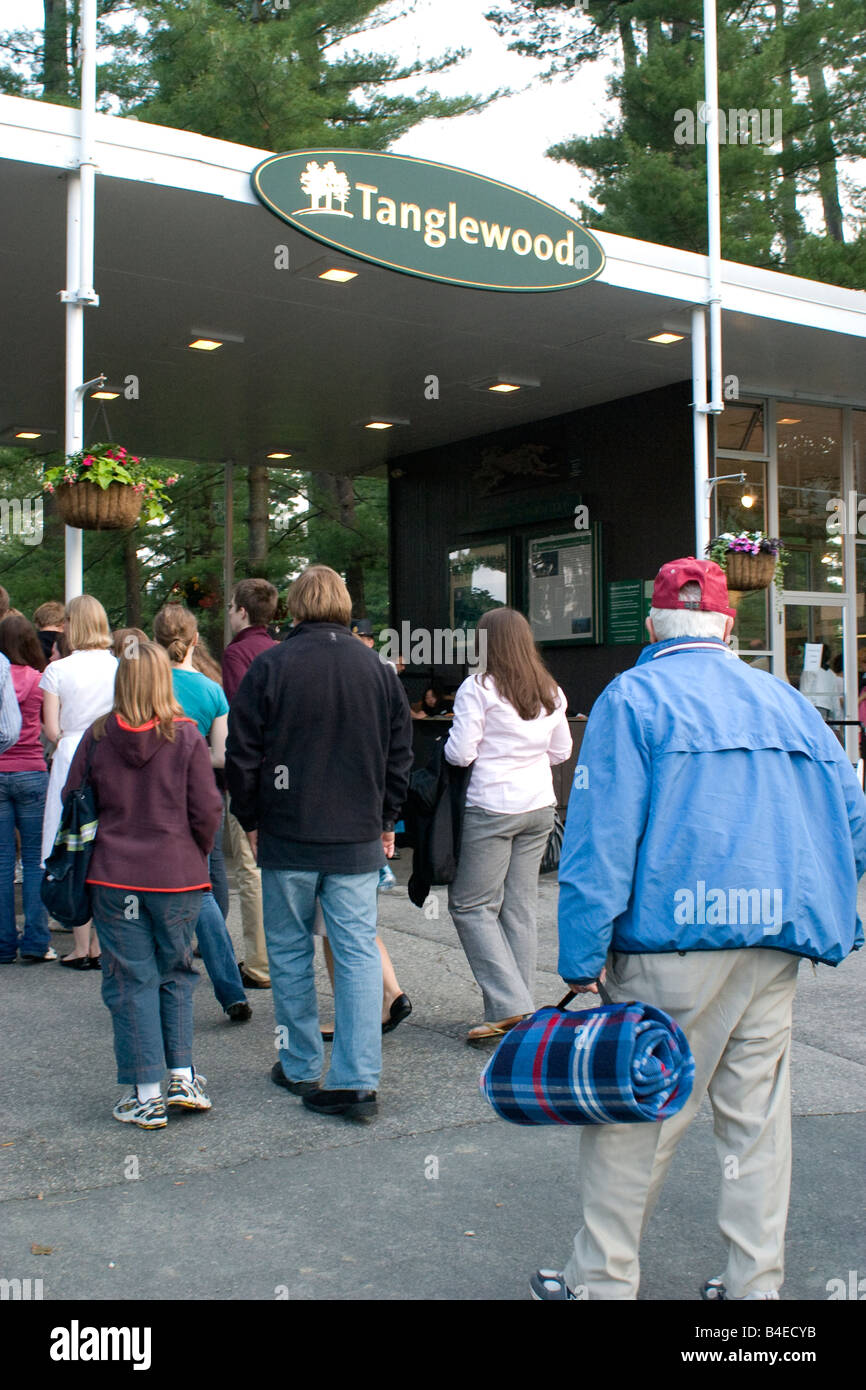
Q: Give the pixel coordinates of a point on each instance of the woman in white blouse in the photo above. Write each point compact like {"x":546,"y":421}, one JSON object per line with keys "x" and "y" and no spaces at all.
{"x":510,"y":725}
{"x":78,"y":689}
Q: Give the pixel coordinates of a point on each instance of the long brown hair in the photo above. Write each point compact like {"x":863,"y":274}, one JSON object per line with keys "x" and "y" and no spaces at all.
{"x":204,"y":663}
{"x":143,"y":691}
{"x":513,"y":663}
{"x":19,"y":642}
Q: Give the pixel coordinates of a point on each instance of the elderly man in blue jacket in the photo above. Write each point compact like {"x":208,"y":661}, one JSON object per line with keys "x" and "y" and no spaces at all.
{"x":715,"y":836}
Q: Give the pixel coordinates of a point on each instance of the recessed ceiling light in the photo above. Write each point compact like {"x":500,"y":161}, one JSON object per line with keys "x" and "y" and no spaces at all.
{"x":789,"y":421}
{"x":28,"y":434}
{"x":665,"y":338}
{"x":338,"y":276}
{"x":104,"y":395}
{"x":279,"y":456}
{"x":205,"y":345}
{"x":504,"y":387}
{"x":379,"y":425}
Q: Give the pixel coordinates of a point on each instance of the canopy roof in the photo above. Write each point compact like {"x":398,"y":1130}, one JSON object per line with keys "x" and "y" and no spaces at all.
{"x":183,"y":248}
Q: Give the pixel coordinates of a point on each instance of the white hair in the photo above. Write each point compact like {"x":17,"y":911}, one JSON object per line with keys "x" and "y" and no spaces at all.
{"x":687,"y":622}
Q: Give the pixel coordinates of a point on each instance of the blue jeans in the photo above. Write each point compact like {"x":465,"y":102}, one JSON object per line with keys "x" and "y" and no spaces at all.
{"x":147,"y":977}
{"x":22,"y":804}
{"x":218,"y":953}
{"x":349,"y":907}
{"x":217,"y":870}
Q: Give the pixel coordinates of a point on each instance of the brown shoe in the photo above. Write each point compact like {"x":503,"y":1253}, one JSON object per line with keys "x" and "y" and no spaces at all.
{"x":248,"y":981}
{"x":484,"y":1031}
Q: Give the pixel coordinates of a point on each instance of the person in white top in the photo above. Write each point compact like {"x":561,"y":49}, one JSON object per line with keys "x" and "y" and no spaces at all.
{"x":78,"y":689}
{"x":510,"y":725}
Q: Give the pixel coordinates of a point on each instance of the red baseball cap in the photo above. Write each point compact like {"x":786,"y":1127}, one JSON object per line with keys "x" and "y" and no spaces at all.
{"x":706,"y":573}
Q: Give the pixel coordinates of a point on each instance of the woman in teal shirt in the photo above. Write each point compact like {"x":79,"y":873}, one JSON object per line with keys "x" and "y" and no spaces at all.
{"x":201,"y":699}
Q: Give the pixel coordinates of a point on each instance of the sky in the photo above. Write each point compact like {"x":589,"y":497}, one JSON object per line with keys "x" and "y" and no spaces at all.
{"x":507,"y":141}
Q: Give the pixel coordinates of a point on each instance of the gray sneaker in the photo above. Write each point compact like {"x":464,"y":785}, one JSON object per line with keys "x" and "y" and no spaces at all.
{"x":549,"y":1285}
{"x":715,"y":1292}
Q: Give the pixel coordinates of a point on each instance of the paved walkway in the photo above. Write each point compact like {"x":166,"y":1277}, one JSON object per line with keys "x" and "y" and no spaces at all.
{"x":435,"y":1199}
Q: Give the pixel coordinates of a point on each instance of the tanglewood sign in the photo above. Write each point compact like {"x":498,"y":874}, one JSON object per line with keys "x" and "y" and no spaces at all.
{"x":428,"y":219}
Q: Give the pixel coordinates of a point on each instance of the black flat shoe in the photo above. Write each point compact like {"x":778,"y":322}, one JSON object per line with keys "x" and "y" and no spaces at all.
{"x":240,"y":1012}
{"x":400,"y":1009}
{"x":297,"y":1088}
{"x":358,"y":1105}
{"x":94,"y":962}
{"x":75,"y":962}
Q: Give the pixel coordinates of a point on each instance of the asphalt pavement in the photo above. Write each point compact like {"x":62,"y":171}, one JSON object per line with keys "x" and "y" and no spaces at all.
{"x":434,"y":1199}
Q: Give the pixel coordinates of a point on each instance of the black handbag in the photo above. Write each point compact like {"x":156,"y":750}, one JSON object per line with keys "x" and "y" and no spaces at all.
{"x":553,"y":848}
{"x":65,"y":891}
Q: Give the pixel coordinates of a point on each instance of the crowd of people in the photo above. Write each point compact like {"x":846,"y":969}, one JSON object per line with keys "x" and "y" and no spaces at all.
{"x":695,"y":770}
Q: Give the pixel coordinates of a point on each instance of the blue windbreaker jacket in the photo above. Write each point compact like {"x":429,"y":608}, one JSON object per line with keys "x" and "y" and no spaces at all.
{"x":712,"y":809}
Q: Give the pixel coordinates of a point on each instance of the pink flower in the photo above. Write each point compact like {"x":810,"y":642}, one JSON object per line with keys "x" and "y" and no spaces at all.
{"x":121,"y":454}
{"x":87,"y":462}
{"x":134,"y":459}
{"x":49,"y":487}
{"x":138,"y":487}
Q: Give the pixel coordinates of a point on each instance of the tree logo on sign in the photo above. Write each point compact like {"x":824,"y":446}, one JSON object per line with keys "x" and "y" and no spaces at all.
{"x":325,"y":184}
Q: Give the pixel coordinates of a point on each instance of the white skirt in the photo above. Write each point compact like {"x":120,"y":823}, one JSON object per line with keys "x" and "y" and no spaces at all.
{"x":60,"y":765}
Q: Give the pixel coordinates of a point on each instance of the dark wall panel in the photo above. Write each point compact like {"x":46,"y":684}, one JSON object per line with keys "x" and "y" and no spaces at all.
{"x":629,"y":461}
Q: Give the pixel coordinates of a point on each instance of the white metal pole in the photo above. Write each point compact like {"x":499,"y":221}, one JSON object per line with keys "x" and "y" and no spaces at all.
{"x":714,"y":204}
{"x":74,"y":431}
{"x":86,"y":159}
{"x":79,"y":290}
{"x":700,"y":426}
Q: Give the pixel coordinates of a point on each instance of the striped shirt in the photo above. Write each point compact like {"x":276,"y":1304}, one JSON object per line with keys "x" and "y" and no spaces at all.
{"x":10,"y":714}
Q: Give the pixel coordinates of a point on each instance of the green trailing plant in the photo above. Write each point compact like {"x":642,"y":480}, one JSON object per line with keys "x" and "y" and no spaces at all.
{"x":747,"y":543}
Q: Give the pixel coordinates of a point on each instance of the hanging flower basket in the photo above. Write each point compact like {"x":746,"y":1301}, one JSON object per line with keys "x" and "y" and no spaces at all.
{"x":91,"y":508}
{"x":750,"y":560}
{"x":750,"y":571}
{"x":105,"y":488}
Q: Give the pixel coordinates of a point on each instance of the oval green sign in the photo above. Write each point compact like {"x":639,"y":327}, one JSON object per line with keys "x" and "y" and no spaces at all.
{"x":428,"y":219}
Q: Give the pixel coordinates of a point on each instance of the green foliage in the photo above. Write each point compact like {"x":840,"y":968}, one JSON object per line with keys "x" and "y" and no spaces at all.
{"x":804,"y":60}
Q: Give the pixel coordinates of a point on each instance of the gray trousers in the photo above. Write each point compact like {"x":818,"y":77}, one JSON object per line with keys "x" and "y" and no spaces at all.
{"x":735,"y":1009}
{"x":494,"y":904}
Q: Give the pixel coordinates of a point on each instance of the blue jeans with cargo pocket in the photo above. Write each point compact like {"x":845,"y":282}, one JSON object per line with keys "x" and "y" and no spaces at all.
{"x":148,"y":977}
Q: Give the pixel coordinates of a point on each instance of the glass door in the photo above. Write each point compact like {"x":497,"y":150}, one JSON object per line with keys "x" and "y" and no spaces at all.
{"x":814,"y":646}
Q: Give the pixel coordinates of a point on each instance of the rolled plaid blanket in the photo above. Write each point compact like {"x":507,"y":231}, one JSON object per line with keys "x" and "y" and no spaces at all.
{"x":607,"y":1066}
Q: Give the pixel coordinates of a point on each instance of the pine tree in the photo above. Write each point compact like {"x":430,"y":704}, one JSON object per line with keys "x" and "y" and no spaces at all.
{"x":803,"y":59}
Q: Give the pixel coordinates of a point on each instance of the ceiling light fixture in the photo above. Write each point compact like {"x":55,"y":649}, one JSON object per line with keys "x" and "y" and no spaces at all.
{"x":279,"y":456}
{"x":379,"y":425}
{"x":504,"y":387}
{"x":204,"y":345}
{"x":338,"y":276}
{"x":104,"y":395}
{"x":28,"y":434}
{"x":789,"y":420}
{"x":666,"y":338}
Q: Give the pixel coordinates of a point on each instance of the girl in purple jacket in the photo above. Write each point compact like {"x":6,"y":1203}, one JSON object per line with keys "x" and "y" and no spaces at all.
{"x":159,"y":810}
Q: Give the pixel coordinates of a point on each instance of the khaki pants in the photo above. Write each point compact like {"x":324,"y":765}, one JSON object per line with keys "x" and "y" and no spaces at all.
{"x":249,"y":881}
{"x":735,"y":1009}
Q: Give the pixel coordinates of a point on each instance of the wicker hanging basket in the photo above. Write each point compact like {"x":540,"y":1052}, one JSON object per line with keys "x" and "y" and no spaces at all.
{"x":92,"y":508}
{"x":745,"y":571}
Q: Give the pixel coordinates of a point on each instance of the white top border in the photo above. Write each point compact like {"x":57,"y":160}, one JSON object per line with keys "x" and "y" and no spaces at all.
{"x":36,"y":132}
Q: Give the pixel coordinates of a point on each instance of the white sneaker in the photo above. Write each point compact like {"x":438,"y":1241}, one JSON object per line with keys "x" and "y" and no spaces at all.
{"x":147,"y":1114}
{"x":188,"y":1095}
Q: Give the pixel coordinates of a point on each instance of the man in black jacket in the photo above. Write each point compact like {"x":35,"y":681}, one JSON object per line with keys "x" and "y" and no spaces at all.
{"x":317,"y":764}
